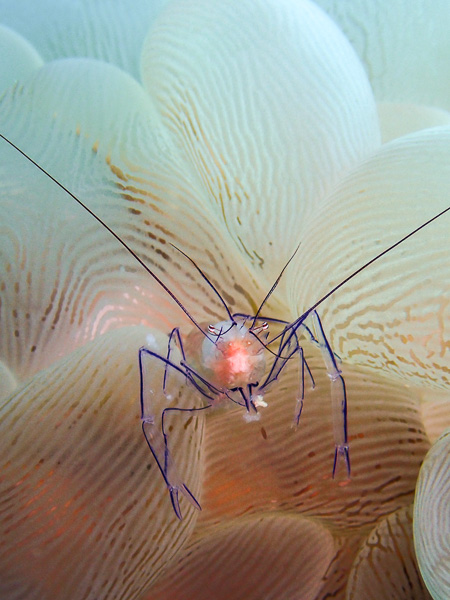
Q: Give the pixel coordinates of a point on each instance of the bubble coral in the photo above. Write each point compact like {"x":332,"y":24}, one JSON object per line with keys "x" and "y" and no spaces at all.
{"x":234,"y":130}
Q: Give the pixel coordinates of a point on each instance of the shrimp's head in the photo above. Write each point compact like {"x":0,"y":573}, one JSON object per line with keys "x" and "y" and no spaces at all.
{"x":233,"y":354}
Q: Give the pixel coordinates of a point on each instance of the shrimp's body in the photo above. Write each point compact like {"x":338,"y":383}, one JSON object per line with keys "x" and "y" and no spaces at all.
{"x":232,"y":356}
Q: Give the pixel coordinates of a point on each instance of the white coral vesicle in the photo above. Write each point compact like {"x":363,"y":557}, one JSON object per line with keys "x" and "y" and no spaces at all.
{"x":432,"y":518}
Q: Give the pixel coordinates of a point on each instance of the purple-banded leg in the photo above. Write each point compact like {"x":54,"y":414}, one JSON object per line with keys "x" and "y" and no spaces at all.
{"x":171,"y":477}
{"x":302,"y":367}
{"x":174,"y":340}
{"x":153,"y":427}
{"x":338,"y":398}
{"x":301,"y":387}
{"x":289,"y":345}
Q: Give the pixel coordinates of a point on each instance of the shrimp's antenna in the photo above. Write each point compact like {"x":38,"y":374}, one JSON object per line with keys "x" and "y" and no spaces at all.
{"x":272,"y":289}
{"x":355,"y":273}
{"x":118,"y":238}
{"x":377,"y":257}
{"x":210,"y":283}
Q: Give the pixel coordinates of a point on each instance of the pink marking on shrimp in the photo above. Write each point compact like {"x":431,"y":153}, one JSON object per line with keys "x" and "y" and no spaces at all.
{"x":233,"y":356}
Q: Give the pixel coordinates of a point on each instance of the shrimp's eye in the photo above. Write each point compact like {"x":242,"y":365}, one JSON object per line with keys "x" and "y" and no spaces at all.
{"x":214,"y":330}
{"x":263,"y":327}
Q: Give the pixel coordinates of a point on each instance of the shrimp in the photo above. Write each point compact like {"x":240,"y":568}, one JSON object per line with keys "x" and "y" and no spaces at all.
{"x":235,"y":361}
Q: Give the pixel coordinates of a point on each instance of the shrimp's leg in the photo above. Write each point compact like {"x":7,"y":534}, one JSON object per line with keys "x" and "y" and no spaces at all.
{"x":338,"y":398}
{"x":301,"y":392}
{"x":174,"y":340}
{"x":289,"y":345}
{"x":303,"y":365}
{"x":155,"y":433}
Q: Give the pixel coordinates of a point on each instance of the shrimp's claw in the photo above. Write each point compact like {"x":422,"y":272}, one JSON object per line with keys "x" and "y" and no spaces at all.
{"x":175,"y":503}
{"x":190,"y":496}
{"x":157,"y":442}
{"x":341,"y":454}
{"x":186,"y":493}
